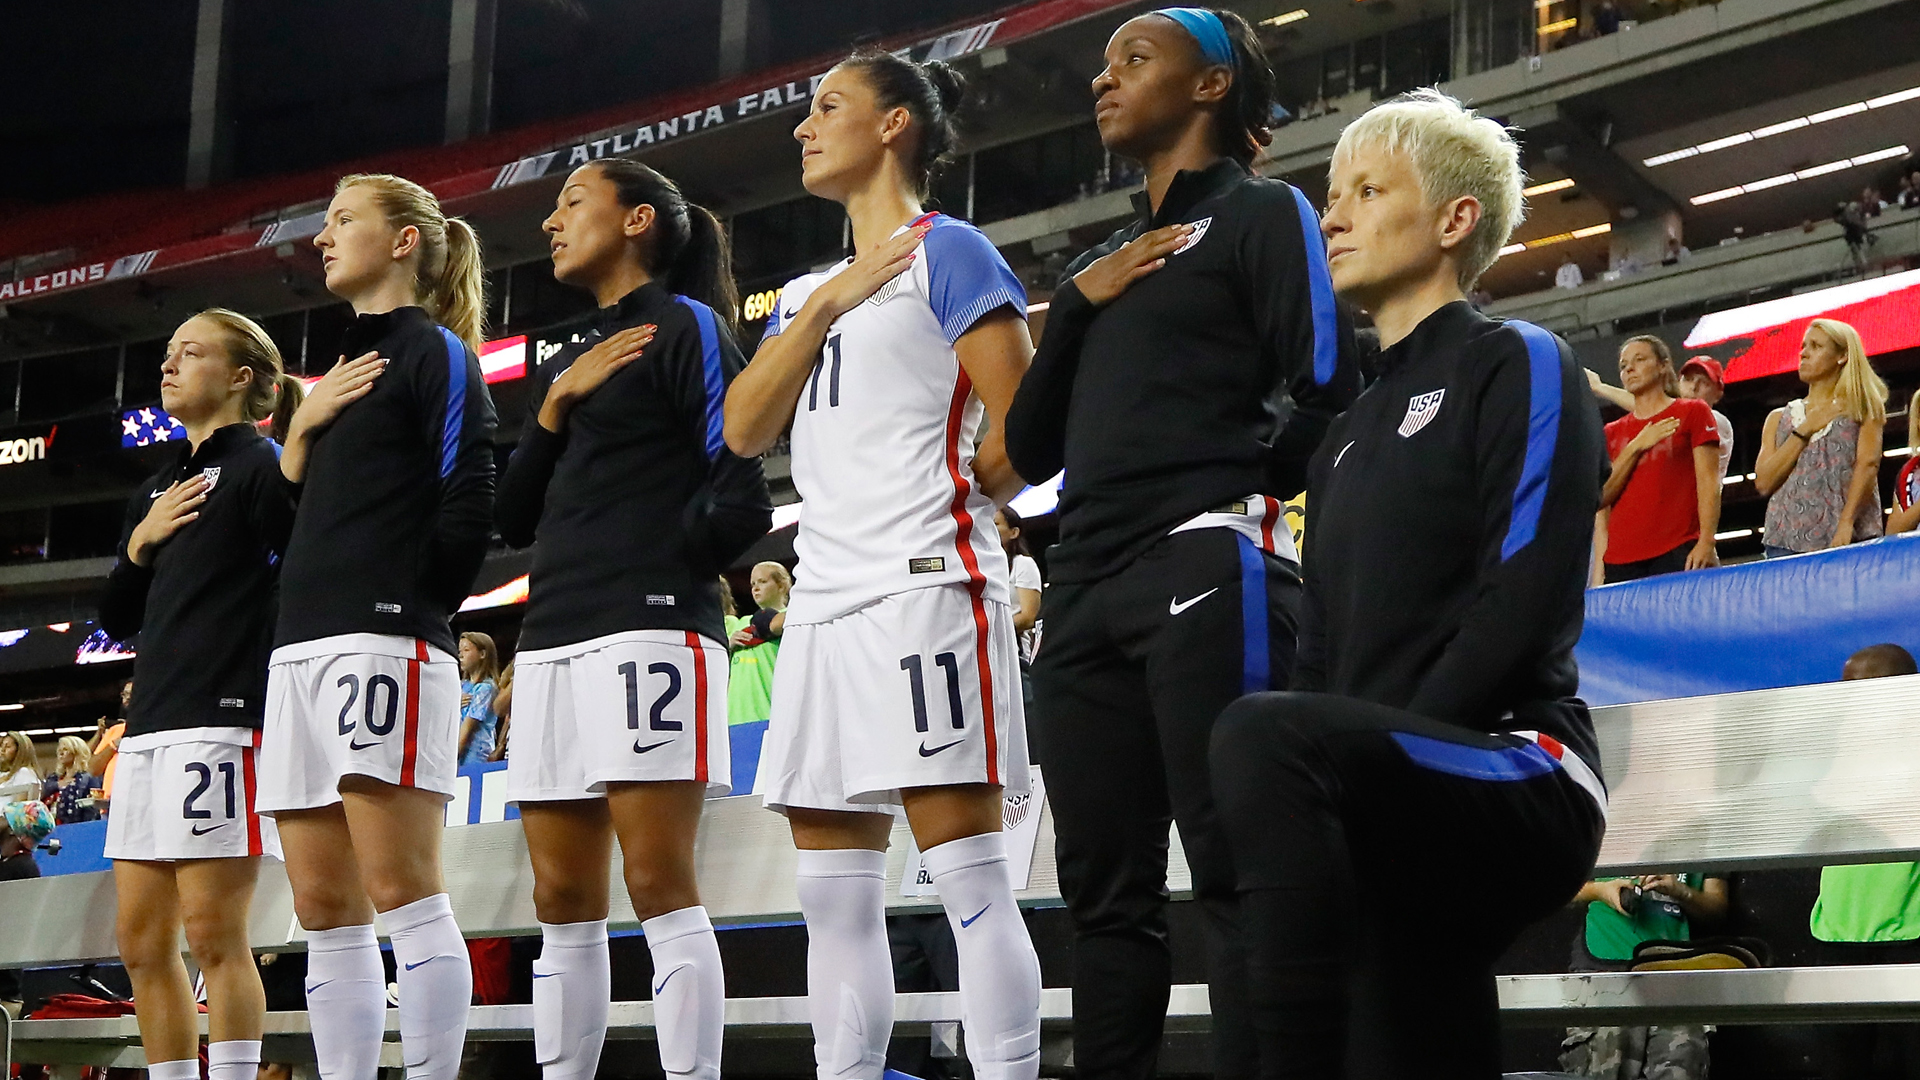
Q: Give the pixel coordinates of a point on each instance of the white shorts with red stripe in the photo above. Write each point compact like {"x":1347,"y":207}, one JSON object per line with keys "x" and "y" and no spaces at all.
{"x":373,"y":705}
{"x":917,"y":689}
{"x":1259,"y":518}
{"x":188,"y":794}
{"x":640,"y":706}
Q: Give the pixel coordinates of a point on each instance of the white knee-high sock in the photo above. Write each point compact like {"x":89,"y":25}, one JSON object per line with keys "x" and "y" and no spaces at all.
{"x":233,"y":1059}
{"x":346,"y":1001}
{"x":689,"y":992}
{"x":999,"y":971}
{"x":572,"y":992}
{"x":183,"y":1069}
{"x":436,"y":986}
{"x":849,"y":967}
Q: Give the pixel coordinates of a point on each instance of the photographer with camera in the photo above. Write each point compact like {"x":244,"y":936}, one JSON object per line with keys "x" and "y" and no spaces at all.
{"x":1622,"y":913}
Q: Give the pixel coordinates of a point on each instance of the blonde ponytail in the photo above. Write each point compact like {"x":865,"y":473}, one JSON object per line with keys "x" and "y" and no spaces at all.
{"x":292,"y":393}
{"x":451,"y":281}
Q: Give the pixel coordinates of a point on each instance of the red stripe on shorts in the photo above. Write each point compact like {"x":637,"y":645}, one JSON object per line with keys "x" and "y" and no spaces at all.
{"x":410,"y":752}
{"x":247,"y":775}
{"x":976,"y":581}
{"x":699,"y":707}
{"x":1267,"y":519}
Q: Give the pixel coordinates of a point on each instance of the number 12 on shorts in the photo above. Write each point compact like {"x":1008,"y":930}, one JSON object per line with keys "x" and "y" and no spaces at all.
{"x":917,"y":683}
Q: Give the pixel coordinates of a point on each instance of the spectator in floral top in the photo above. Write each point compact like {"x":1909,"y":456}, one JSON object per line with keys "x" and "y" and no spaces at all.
{"x":70,"y":783}
{"x":1820,"y":455}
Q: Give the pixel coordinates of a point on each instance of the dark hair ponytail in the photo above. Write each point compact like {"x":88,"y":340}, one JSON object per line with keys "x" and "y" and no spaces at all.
{"x":932,"y":93}
{"x":1244,"y":124}
{"x":690,"y":254}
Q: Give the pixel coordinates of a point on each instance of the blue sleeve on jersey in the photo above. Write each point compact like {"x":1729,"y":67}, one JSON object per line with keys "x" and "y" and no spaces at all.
{"x":711,"y":375}
{"x":966,"y":277}
{"x":783,"y":309}
{"x":456,"y":402}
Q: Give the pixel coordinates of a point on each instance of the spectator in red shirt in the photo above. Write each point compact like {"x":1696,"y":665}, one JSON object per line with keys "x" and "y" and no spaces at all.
{"x":1663,"y":495}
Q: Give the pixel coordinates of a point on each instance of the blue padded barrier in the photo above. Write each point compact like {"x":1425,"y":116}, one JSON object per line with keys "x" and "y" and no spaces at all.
{"x":1777,"y":622}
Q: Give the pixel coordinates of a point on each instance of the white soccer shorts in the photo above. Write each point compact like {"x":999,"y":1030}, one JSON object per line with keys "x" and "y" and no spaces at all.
{"x":634,"y":707}
{"x":373,"y":705}
{"x":918,"y":689}
{"x":188,"y":794}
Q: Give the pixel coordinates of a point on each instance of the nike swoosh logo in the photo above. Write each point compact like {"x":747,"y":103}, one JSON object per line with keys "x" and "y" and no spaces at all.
{"x":1343,"y":453}
{"x":1175,"y":607}
{"x":362,"y":746}
{"x":318,"y":985}
{"x":638,"y":749}
{"x":198,"y":831}
{"x":964,"y":923}
{"x":422,"y":963}
{"x":924,"y":752}
{"x":665,"y":981}
{"x":156,"y":494}
{"x":545,"y":974}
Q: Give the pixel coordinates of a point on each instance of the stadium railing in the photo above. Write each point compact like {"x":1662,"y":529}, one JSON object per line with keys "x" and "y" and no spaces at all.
{"x":1799,"y":776}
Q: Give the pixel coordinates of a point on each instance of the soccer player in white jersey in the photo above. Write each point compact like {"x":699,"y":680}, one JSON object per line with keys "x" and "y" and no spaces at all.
{"x":899,"y":678}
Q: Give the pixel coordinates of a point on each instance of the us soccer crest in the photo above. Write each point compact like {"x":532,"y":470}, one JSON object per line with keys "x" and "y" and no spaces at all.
{"x":212,"y":473}
{"x":885,"y":292}
{"x":1199,"y":230}
{"x":1421,"y":409}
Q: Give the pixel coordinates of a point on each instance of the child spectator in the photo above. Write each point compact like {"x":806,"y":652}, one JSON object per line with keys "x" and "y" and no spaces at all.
{"x":1662,"y":499}
{"x":479,"y":674}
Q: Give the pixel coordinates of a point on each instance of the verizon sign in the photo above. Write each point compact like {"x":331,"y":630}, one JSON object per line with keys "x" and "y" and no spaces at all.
{"x":19,"y":451}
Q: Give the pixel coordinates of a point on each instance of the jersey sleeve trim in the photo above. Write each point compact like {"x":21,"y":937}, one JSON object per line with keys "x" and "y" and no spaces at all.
{"x":1543,"y":432}
{"x":966,"y":277}
{"x":1326,"y":323}
{"x":456,"y":402}
{"x":711,"y":374}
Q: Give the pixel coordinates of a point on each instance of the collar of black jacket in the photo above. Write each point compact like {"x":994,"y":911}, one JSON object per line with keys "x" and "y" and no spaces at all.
{"x":222,"y":442}
{"x":627,"y":310}
{"x":1189,"y":188}
{"x":367,"y":329}
{"x":1446,"y":323}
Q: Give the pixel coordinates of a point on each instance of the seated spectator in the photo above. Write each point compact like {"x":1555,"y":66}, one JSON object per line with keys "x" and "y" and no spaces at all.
{"x":1569,"y":275}
{"x":1819,"y":461}
{"x":1870,"y":915}
{"x":1906,"y":486}
{"x":68,"y":790}
{"x":1622,"y":913}
{"x":1662,"y":497}
{"x":1677,"y":252}
{"x":479,"y":672}
{"x":1606,"y":18}
{"x":19,"y":768}
{"x":1910,"y":192}
{"x":1871,"y":203}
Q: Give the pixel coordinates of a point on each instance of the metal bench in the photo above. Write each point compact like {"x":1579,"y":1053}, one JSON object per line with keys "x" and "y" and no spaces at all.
{"x":1801,"y":776}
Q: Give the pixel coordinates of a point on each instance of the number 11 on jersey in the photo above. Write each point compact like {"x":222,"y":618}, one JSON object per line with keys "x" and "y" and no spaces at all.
{"x":829,"y":359}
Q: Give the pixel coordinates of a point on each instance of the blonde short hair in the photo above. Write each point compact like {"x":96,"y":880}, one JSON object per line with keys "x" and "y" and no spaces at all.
{"x":1455,"y":152}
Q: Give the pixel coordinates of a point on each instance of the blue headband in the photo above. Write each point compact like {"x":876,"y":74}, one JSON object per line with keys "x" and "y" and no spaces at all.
{"x":1207,"y":30}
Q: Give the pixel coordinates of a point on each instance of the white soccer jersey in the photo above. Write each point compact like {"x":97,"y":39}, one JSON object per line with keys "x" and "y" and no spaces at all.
{"x":884,"y":434}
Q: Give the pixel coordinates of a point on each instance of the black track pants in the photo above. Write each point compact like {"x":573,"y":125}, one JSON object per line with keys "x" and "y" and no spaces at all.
{"x":1385,"y":861}
{"x":1132,"y":674}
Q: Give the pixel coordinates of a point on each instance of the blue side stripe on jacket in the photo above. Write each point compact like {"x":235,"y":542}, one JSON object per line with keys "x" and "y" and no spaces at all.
{"x":456,"y":402}
{"x":1256,"y":666}
{"x":1326,"y":324}
{"x":1508,"y":763}
{"x":1543,"y":432}
{"x":713,"y":376}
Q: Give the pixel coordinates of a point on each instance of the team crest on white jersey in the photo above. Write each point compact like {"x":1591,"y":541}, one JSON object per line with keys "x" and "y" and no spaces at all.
{"x":1199,"y":230}
{"x":212,"y":473}
{"x":1421,"y":409}
{"x":885,"y":292}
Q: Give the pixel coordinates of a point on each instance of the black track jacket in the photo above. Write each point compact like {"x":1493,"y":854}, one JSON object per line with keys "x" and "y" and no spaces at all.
{"x":1171,"y":400}
{"x":637,"y":504}
{"x":203,"y":607}
{"x":397,"y":505}
{"x":1449,"y":519}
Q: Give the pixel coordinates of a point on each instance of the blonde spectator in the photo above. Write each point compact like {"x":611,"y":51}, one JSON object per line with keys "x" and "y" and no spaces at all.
{"x":1820,"y":455}
{"x":1906,"y":488}
{"x":19,"y":768}
{"x":66,"y":790}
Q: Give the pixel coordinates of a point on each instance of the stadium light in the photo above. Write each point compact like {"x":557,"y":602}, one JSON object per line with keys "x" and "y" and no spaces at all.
{"x":14,"y":707}
{"x":1284,"y":18}
{"x":1742,"y":137}
{"x":1547,"y":188}
{"x":1803,"y":174}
